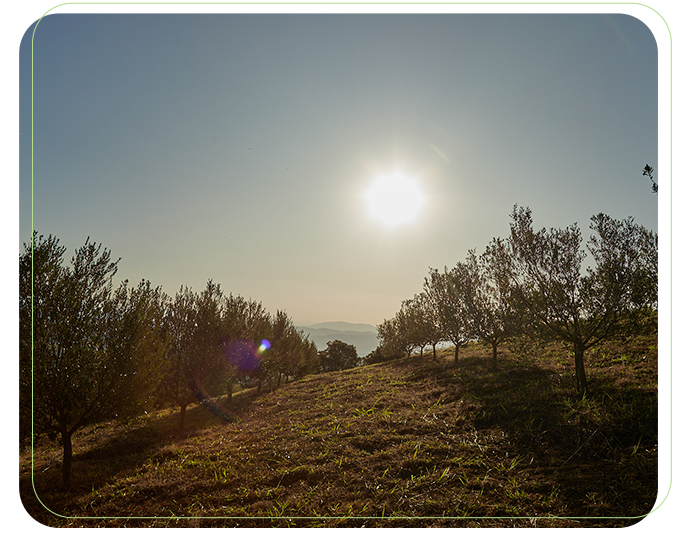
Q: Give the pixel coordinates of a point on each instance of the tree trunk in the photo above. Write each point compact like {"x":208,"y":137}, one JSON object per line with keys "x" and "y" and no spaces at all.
{"x":280,"y":374}
{"x":434,"y":351}
{"x":581,"y":380}
{"x":66,"y":438}
{"x":494,"y":346}
{"x":456,"y":353}
{"x":181,"y":424}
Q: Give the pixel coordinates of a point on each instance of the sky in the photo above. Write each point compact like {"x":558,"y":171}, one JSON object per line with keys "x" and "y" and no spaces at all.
{"x":239,"y":148}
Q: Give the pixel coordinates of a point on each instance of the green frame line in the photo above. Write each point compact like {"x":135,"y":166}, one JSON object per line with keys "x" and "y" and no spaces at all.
{"x":472,"y":518}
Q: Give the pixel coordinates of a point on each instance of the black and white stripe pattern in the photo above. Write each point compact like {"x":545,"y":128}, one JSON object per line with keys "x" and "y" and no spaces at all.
{"x":18,"y":524}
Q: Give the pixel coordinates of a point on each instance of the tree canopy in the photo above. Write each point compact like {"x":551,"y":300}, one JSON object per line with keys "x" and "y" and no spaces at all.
{"x":535,"y":283}
{"x":337,"y":356}
{"x":584,"y":306}
{"x":91,"y":352}
{"x":73,"y":362}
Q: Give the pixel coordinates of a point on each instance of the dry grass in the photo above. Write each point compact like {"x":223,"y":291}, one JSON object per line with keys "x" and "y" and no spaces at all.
{"x":427,"y":443}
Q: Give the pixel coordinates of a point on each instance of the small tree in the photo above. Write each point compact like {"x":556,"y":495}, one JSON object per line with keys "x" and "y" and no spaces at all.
{"x":71,"y":360}
{"x":411,"y":325}
{"x":246,"y":324}
{"x":449,"y":308}
{"x":307,"y":358}
{"x":134,"y":332}
{"x":391,"y":338}
{"x":425,"y":327}
{"x":584,"y":308}
{"x":286,"y":343}
{"x":193,"y":329}
{"x":487,"y":299}
{"x":337,"y":356}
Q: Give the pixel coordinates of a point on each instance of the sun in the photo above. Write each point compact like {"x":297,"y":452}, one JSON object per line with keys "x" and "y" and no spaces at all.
{"x":394,"y":199}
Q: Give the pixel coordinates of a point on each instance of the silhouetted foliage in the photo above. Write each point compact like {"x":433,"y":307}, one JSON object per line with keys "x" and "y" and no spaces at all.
{"x":192,"y":328}
{"x":532,"y":286}
{"x":306,"y":358}
{"x":392,"y":337}
{"x":414,"y":326}
{"x":285,"y":347}
{"x":424,"y":326}
{"x":449,"y":307}
{"x":89,"y":353}
{"x":648,"y":171}
{"x":246,"y":323}
{"x":75,"y":366}
{"x":337,"y":356}
{"x":615,"y":298}
{"x":135,"y":331}
{"x":491,"y":315}
{"x":375,"y":357}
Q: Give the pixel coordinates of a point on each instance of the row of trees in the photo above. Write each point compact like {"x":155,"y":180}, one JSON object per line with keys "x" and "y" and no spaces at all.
{"x":534,"y":283}
{"x":91,"y":352}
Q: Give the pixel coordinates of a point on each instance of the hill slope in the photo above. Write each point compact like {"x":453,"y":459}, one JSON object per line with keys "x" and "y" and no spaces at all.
{"x":442,"y":444}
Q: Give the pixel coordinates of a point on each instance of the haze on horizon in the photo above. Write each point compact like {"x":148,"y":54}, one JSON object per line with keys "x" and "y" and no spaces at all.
{"x":241,"y":147}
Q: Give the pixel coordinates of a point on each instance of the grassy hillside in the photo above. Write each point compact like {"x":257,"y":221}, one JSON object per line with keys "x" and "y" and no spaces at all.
{"x":431,"y":443}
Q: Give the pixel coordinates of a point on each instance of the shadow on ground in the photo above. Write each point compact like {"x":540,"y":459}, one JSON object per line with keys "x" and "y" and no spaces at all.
{"x":98,"y":461}
{"x":599,"y":451}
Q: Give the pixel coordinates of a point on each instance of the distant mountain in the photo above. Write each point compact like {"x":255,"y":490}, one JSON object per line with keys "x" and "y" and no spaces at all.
{"x":361,"y":336}
{"x":342,"y":326}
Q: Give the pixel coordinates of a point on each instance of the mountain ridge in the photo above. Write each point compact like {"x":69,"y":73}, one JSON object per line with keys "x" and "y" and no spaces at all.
{"x":360,"y":335}
{"x":342,"y":326}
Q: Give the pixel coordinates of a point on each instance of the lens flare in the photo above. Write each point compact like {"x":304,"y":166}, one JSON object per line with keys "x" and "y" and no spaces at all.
{"x":243,"y":355}
{"x":264,"y":345}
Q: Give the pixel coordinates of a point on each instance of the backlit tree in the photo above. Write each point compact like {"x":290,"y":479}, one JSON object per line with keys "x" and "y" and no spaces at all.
{"x":615,"y":297}
{"x":72,"y":364}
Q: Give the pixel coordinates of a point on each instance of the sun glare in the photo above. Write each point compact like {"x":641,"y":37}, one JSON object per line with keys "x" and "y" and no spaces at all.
{"x":394,"y":199}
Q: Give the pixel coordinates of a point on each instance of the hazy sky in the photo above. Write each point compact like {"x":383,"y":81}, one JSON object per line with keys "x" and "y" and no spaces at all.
{"x":239,"y":147}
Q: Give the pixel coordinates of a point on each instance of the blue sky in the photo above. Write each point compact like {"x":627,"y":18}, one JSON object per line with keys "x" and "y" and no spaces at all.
{"x":239,"y":147}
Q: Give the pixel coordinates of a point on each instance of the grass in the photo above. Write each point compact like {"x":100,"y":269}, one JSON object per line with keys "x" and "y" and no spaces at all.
{"x":410,"y":442}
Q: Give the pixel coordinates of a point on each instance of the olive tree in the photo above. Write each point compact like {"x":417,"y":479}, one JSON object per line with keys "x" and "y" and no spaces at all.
{"x":487,"y":297}
{"x":303,"y":357}
{"x":449,"y":308}
{"x":584,"y":306}
{"x":192,"y":329}
{"x":245,"y":323}
{"x":392,"y":339}
{"x":307,"y":360}
{"x":135,"y":332}
{"x":425,"y":327}
{"x":285,"y":341}
{"x":74,"y":370}
{"x":413,"y":326}
{"x":337,"y":356}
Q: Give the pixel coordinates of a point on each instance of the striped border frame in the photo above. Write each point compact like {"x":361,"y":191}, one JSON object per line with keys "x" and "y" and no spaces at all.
{"x":19,"y":524}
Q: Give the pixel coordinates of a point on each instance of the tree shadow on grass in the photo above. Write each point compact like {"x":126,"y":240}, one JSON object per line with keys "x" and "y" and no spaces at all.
{"x":599,"y":451}
{"x":114,"y":450}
